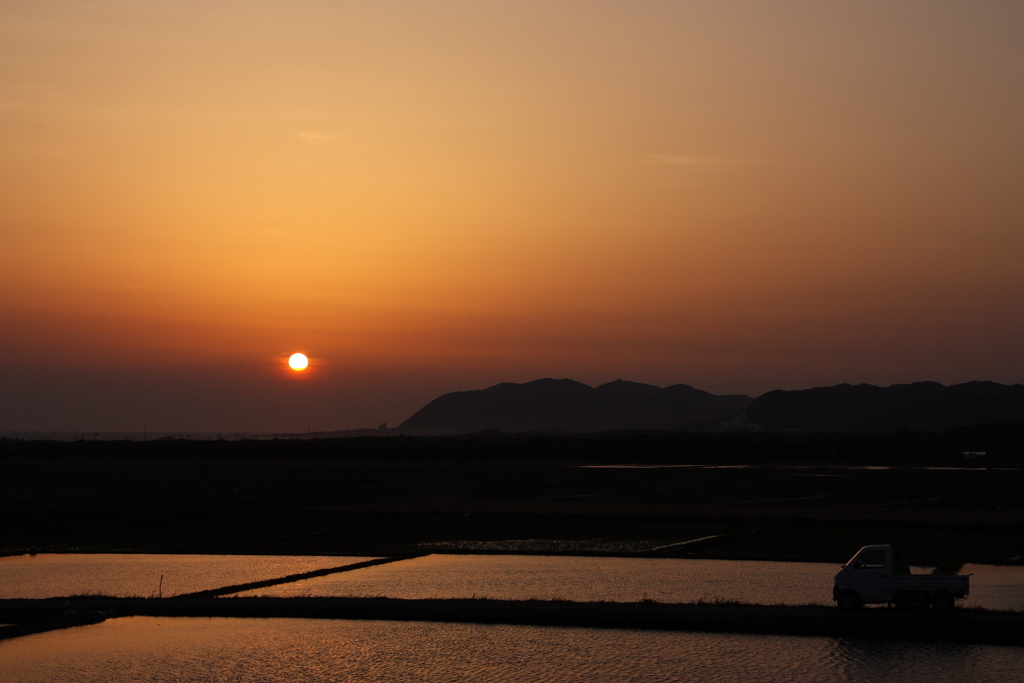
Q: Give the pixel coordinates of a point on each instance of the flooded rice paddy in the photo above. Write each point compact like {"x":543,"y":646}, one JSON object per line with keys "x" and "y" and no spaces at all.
{"x":180,"y":650}
{"x":578,"y":579}
{"x":60,"y":575}
{"x":617,"y":579}
{"x":502,"y":577}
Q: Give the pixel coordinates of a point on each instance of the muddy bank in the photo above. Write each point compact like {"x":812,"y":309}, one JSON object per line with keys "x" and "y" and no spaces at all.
{"x":966,"y":626}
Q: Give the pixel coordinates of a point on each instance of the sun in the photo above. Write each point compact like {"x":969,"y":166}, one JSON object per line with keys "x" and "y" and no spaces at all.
{"x":298,"y":362}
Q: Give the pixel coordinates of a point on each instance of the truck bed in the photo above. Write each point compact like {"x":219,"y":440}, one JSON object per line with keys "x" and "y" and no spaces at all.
{"x":927,"y":582}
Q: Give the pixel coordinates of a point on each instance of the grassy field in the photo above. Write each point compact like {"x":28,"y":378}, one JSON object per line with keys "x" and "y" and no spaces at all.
{"x":751,"y":497}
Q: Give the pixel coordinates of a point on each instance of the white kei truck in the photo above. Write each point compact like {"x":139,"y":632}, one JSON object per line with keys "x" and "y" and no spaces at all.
{"x":868,"y":578}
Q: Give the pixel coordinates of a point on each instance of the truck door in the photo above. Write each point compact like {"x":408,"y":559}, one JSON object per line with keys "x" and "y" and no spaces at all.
{"x":870,"y":576}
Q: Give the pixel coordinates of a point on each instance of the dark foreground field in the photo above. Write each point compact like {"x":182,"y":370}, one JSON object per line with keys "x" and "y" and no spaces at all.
{"x":758,"y":496}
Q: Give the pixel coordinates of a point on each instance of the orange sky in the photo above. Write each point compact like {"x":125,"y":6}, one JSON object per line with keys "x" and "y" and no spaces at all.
{"x":432,"y":196}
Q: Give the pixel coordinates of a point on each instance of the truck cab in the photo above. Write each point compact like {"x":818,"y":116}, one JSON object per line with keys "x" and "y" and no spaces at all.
{"x":869,"y":578}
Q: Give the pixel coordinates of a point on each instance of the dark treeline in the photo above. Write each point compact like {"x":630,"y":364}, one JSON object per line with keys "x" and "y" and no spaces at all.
{"x":998,"y":442}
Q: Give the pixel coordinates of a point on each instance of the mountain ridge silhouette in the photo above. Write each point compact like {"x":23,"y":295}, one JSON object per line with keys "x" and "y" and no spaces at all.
{"x":866,"y":408}
{"x":567,"y":405}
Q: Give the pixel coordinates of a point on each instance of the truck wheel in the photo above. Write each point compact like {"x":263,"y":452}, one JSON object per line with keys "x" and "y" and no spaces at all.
{"x":848,"y":601}
{"x":942,"y":602}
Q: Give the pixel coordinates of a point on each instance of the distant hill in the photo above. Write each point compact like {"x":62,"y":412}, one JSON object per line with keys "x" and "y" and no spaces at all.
{"x":567,"y":405}
{"x":865,"y":408}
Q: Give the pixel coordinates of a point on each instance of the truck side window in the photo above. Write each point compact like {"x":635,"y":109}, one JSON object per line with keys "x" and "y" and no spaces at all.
{"x":872,"y":559}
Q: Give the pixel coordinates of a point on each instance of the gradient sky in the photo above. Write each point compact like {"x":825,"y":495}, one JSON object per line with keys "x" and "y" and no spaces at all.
{"x":435,"y":196}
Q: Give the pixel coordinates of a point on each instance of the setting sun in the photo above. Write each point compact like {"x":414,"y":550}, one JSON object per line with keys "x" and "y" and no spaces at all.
{"x":298,"y":362}
{"x":738,"y":196}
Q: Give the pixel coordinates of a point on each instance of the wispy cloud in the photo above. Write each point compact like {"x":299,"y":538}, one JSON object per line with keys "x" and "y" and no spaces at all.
{"x":687,"y":161}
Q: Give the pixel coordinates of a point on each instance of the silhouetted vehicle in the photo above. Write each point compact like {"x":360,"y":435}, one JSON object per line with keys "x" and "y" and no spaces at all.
{"x":869,"y":578}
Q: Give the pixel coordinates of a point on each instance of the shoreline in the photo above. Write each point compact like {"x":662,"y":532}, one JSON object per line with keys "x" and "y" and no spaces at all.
{"x":962,"y":626}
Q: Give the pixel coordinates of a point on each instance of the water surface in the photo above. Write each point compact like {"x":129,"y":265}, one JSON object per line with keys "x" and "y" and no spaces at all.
{"x":618,"y":579}
{"x":579,"y":579}
{"x":506,"y":577}
{"x":995,"y":586}
{"x":58,"y":575}
{"x":161,"y":650}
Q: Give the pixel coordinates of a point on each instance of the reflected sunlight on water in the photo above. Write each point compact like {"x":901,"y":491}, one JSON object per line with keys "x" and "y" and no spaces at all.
{"x":581,"y":579}
{"x":58,"y":575}
{"x":506,"y":577}
{"x":618,"y":579}
{"x":995,"y":586}
{"x":286,"y":650}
